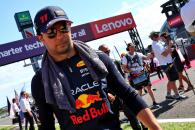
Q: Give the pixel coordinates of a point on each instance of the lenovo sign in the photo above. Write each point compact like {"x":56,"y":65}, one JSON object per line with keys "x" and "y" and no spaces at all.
{"x":175,"y":21}
{"x":112,"y":25}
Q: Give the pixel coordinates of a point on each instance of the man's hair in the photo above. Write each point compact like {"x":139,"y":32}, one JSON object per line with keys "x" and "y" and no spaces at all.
{"x":154,"y":34}
{"x":102,"y":46}
{"x":13,"y":100}
{"x":165,"y":35}
{"x":129,"y":45}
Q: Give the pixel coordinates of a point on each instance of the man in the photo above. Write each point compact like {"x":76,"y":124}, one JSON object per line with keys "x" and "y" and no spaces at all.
{"x":106,"y":50}
{"x":17,"y":112}
{"x":26,"y":109}
{"x":188,"y":16}
{"x":163,"y":54}
{"x":133,"y":64}
{"x":177,"y":62}
{"x":117,"y":103}
{"x":71,"y":81}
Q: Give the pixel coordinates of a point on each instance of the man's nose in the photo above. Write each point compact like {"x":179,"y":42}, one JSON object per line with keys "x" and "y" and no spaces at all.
{"x":59,"y":34}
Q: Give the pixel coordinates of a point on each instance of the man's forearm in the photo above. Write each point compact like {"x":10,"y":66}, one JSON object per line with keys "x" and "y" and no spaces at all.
{"x":148,"y":119}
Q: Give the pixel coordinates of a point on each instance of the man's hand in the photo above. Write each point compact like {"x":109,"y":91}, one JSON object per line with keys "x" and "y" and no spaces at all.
{"x":111,"y":97}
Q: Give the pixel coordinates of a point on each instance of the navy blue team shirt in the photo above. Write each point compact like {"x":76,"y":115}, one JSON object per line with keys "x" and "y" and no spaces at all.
{"x":92,"y":106}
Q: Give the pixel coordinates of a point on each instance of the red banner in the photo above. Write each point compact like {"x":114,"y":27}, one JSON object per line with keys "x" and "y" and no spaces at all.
{"x":112,"y":25}
{"x":175,"y":21}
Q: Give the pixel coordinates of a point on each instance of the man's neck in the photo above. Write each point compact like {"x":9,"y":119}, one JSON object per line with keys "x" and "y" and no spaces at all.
{"x":65,"y":56}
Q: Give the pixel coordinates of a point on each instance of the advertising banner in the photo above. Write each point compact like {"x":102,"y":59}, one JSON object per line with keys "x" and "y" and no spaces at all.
{"x":30,"y":47}
{"x":175,"y":21}
{"x":20,"y":50}
{"x":112,"y":25}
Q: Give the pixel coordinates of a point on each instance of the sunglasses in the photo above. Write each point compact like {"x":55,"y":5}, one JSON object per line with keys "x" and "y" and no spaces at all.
{"x":52,"y":32}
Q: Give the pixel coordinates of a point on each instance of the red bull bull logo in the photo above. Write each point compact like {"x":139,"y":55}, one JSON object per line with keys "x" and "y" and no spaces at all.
{"x":85,"y":100}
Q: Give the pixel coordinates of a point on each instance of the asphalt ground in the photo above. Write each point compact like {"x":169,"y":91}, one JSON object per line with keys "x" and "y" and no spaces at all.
{"x":171,"y":109}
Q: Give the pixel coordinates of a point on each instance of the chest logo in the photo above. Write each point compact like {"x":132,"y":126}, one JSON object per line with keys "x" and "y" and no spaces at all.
{"x":80,"y":64}
{"x":85,"y":100}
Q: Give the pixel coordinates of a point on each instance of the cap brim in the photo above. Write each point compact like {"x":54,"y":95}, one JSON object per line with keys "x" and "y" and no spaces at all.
{"x":57,"y":20}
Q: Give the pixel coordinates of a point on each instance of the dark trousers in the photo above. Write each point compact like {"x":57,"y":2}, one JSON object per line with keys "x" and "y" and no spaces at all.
{"x":159,"y":72}
{"x":19,"y":120}
{"x":29,"y":119}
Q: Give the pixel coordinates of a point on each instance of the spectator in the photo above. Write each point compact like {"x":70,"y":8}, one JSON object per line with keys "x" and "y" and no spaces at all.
{"x":116,"y":102}
{"x":71,"y":81}
{"x":177,"y":62}
{"x":138,"y":77}
{"x":157,"y":66}
{"x":26,"y":109}
{"x":16,"y":112}
{"x":163,"y":54}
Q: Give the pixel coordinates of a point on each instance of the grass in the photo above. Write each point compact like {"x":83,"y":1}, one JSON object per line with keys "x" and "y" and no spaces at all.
{"x":6,"y":127}
{"x":170,"y":126}
{"x":165,"y":126}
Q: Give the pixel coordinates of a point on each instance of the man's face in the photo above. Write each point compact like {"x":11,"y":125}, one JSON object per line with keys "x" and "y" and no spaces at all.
{"x":131,"y":49}
{"x":156,"y":38}
{"x":57,"y":39}
{"x":163,"y":39}
{"x":105,"y":49}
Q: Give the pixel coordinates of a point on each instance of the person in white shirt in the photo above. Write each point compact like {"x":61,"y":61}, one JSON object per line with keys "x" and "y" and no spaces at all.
{"x":177,"y":62}
{"x":26,"y":109}
{"x":133,"y":64}
{"x":188,"y":16}
{"x":163,"y":54}
{"x":16,"y":112}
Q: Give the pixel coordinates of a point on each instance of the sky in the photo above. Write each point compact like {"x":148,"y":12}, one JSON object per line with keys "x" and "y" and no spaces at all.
{"x":147,"y":15}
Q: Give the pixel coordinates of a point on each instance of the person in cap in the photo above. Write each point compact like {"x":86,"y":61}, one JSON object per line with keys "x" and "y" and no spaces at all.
{"x":72,"y":80}
{"x":177,"y":62}
{"x":188,"y":16}
{"x":116,"y":103}
{"x":133,"y":64}
{"x":163,"y":54}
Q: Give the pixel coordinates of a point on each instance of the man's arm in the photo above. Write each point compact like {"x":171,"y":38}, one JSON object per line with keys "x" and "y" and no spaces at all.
{"x":131,"y":98}
{"x":125,"y":69}
{"x":45,"y":111}
{"x":147,"y":118}
{"x":168,"y":50}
